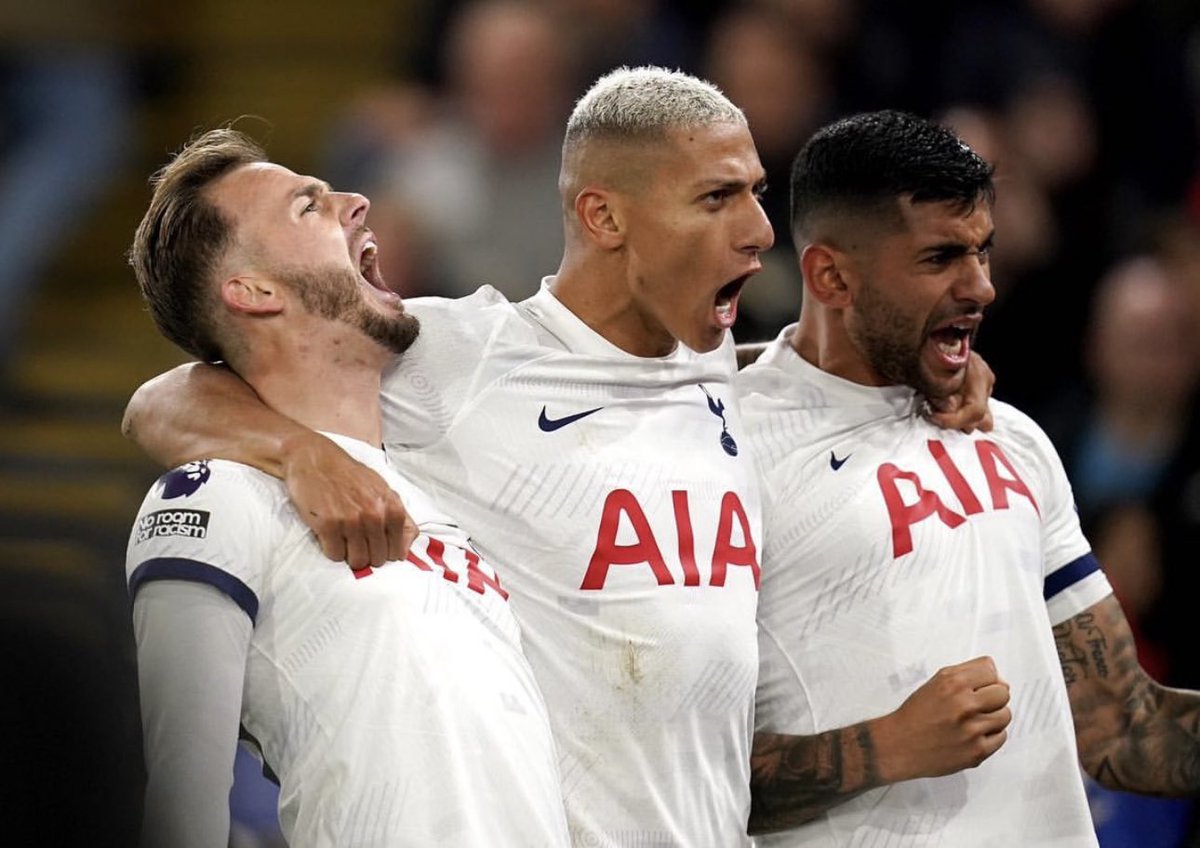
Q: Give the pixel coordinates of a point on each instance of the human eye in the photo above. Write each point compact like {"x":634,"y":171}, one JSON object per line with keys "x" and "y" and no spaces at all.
{"x":311,"y":207}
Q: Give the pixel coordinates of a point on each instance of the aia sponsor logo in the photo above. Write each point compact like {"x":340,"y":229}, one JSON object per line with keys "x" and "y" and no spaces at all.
{"x":192,"y":523}
{"x":909,"y":502}
{"x":184,"y":480}
{"x":733,"y":543}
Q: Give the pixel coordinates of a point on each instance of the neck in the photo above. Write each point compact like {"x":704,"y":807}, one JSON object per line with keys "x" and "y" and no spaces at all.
{"x":331,"y":387}
{"x":598,"y":294}
{"x":821,"y":339}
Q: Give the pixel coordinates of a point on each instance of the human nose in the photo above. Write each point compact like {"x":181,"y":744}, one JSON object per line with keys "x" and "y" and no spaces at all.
{"x":975,"y":286}
{"x":758,"y":235}
{"x":353,"y":208}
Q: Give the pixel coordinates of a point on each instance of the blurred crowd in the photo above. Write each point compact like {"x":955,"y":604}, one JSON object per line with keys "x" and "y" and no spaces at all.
{"x":1090,"y":110}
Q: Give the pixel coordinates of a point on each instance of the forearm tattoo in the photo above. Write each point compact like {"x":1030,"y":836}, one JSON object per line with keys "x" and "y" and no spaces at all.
{"x":1133,"y":734}
{"x":794,"y":779}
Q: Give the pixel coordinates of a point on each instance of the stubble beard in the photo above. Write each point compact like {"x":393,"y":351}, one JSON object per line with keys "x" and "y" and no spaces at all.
{"x":333,"y":293}
{"x":886,"y":335}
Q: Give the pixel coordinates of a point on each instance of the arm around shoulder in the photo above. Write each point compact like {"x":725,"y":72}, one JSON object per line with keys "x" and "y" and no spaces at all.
{"x":200,"y":411}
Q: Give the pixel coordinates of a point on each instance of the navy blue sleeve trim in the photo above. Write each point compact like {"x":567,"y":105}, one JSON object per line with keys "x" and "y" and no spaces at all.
{"x":175,"y":568}
{"x":1069,"y":575}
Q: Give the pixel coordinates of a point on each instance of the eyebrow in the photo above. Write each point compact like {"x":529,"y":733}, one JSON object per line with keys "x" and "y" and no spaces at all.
{"x":949,"y":250}
{"x":718,"y":184}
{"x":312,"y":190}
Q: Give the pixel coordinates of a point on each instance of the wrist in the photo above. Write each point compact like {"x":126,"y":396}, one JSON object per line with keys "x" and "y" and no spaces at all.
{"x":886,"y":737}
{"x":296,"y":447}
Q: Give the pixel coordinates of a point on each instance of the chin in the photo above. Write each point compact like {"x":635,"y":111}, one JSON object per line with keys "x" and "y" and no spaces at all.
{"x":706,"y":342}
{"x":936,"y":388}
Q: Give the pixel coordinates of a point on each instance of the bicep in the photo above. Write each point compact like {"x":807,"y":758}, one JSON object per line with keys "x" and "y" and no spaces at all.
{"x":192,"y":644}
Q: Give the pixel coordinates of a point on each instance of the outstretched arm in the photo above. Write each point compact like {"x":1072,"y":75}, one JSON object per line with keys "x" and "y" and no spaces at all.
{"x":200,"y":411}
{"x":1132,"y":733}
{"x":956,"y":720}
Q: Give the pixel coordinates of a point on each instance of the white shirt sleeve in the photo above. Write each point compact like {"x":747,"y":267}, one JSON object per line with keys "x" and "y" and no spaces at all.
{"x":192,"y":642}
{"x":1072,"y":577}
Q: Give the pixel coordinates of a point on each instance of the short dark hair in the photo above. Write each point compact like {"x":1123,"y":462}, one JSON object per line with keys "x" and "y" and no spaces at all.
{"x":182,"y":237}
{"x":864,"y":163}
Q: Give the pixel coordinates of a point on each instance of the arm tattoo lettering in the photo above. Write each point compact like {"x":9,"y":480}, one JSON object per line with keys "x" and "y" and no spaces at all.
{"x":1132,"y":733}
{"x":793,"y":779}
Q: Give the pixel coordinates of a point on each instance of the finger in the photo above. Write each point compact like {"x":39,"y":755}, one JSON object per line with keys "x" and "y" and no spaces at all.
{"x":409,"y":535}
{"x":376,"y":536}
{"x":358,"y":553}
{"x":993,"y":722}
{"x":975,"y":673}
{"x":398,"y":528}
{"x":992,"y":697}
{"x":331,"y":540}
{"x":991,"y":743}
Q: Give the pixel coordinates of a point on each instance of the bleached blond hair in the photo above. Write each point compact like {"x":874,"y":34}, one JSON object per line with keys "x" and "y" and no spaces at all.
{"x":646,"y":103}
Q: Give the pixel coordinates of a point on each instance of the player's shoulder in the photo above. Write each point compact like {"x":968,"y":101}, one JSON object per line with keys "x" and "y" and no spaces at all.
{"x":462,"y":330}
{"x":210,"y":516}
{"x":480,"y":312}
{"x":1020,"y":431}
{"x":216,"y":484}
{"x":1010,"y":420}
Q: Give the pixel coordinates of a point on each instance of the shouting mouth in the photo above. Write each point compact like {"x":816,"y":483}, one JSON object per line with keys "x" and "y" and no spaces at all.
{"x":369,"y":270}
{"x":726,"y":301}
{"x":951,"y":341}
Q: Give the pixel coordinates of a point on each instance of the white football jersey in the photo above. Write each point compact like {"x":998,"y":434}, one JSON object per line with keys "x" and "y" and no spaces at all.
{"x":394,"y":704}
{"x":895,"y":548}
{"x":615,"y":497}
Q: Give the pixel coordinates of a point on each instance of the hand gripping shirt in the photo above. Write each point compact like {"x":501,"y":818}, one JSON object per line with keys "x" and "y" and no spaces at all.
{"x":616,"y":498}
{"x":895,"y":548}
{"x":394,"y":704}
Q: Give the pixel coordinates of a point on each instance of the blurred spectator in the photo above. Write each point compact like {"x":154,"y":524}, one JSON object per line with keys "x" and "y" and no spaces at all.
{"x":1176,"y":505}
{"x":1177,"y":501}
{"x":65,"y":123}
{"x":604,"y":33}
{"x":1118,"y":440}
{"x":465,"y":181}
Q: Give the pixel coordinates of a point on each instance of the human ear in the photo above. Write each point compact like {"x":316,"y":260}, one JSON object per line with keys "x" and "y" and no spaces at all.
{"x":825,"y":270}
{"x":599,"y":217}
{"x":252,"y":295}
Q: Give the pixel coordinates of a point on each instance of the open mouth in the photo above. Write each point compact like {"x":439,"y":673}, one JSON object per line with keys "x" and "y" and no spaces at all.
{"x":952,"y":341}
{"x":725,"y":303}
{"x":369,"y":270}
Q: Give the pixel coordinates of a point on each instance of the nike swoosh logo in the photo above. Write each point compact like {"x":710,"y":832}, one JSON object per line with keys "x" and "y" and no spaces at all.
{"x":836,"y":463}
{"x":549,"y":425}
